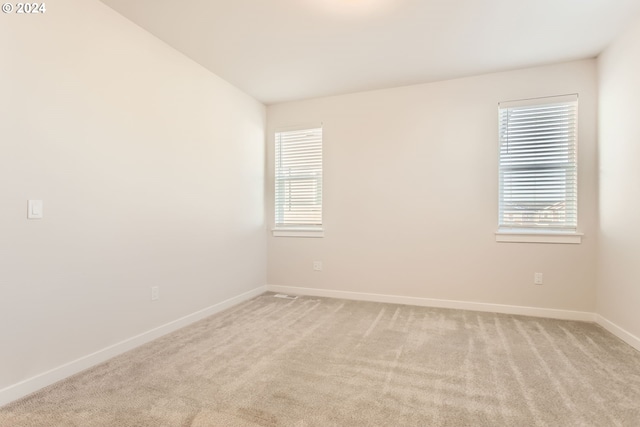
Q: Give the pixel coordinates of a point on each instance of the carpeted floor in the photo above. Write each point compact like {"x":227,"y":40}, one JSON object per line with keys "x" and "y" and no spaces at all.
{"x":329,"y":362}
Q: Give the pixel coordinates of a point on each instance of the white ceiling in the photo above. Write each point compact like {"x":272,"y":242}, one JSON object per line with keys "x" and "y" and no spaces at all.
{"x":279,"y":50}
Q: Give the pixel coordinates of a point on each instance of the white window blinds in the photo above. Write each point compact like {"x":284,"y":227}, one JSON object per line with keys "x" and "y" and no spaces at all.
{"x":538,"y":164}
{"x":298,"y":178}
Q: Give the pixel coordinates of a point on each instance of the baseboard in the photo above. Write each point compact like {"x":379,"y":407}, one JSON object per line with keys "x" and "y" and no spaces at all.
{"x":439,"y":303}
{"x":619,"y":332}
{"x":28,"y":386}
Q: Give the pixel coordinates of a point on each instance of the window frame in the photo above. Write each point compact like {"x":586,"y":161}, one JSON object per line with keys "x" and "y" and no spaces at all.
{"x":283,"y":229}
{"x":537,"y":234}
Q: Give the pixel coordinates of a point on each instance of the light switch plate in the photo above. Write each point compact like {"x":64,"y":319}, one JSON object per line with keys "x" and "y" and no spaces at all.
{"x":34,"y":209}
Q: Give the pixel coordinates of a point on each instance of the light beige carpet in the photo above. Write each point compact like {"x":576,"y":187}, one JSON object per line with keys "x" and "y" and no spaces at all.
{"x":328,"y":362}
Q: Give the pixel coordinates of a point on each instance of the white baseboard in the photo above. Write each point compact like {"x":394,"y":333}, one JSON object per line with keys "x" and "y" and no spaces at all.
{"x":621,"y":333}
{"x":439,"y":303}
{"x":28,"y":386}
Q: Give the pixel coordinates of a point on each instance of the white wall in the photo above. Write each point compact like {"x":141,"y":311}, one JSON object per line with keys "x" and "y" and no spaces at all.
{"x":152,"y":173}
{"x":619,"y":152}
{"x":410,"y":191}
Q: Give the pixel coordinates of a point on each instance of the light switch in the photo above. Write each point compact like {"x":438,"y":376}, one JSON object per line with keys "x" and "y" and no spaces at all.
{"x":34,"y":209}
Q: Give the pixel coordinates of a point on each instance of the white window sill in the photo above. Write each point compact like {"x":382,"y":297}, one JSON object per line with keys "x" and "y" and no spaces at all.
{"x":297,"y":232}
{"x":526,"y":236}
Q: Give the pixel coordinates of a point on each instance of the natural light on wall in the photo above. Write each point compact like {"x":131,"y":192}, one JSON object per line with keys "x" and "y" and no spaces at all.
{"x":353,"y":7}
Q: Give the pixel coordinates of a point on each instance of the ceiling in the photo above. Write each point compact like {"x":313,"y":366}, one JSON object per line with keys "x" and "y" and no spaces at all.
{"x":281,"y":50}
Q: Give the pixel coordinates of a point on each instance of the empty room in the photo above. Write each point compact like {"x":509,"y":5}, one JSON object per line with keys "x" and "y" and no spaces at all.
{"x":319,"y":213}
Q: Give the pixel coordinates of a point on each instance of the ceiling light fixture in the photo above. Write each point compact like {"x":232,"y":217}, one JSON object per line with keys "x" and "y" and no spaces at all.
{"x":353,"y":7}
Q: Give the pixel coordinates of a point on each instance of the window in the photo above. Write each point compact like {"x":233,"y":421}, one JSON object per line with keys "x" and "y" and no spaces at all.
{"x":298,"y":182}
{"x":538,"y":168}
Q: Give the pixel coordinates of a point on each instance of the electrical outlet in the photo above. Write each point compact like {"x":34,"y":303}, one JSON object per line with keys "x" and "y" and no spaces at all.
{"x":155,"y":293}
{"x":537,"y":278}
{"x":317,"y":265}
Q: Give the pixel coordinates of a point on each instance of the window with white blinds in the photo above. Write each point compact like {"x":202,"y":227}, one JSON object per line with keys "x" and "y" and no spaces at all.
{"x":298,"y":179}
{"x":538,"y":188}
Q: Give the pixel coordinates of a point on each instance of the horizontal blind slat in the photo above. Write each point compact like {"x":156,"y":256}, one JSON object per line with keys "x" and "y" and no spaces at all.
{"x":298,"y":178}
{"x":538,"y":171}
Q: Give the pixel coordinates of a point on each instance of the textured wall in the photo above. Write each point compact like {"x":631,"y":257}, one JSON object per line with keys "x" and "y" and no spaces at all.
{"x":410,"y":195}
{"x":619,"y":151}
{"x":152,"y":174}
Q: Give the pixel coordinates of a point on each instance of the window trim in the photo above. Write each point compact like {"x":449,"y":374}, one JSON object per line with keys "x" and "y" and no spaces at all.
{"x":508,"y":234}
{"x":528,"y":236}
{"x":295,"y":230}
